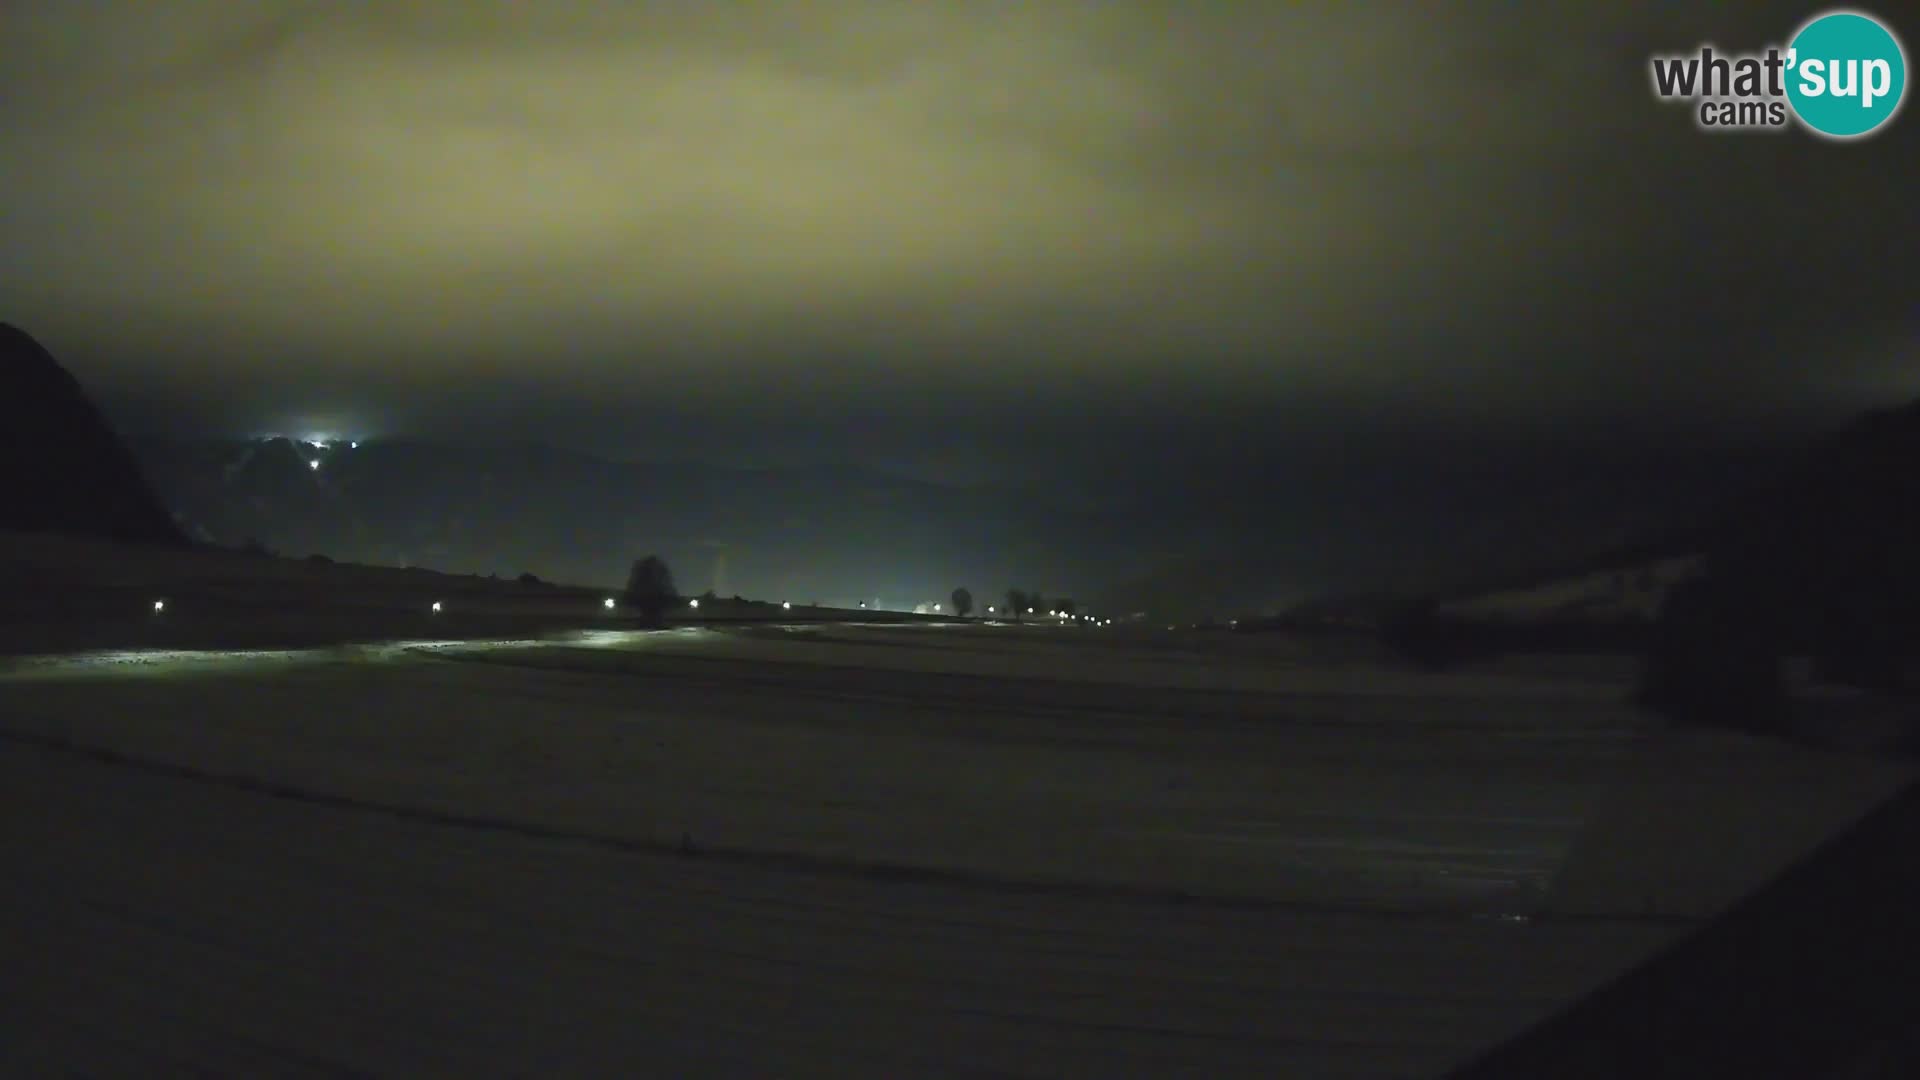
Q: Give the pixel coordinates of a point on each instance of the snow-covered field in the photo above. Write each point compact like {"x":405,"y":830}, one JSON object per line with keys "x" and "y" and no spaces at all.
{"x":1620,"y":593}
{"x":851,"y":850}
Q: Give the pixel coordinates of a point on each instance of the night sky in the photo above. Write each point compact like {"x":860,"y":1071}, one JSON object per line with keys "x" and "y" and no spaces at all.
{"x":970,"y":240}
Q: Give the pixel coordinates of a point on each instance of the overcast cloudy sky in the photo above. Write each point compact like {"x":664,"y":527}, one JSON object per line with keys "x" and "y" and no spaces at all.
{"x":841,"y":222}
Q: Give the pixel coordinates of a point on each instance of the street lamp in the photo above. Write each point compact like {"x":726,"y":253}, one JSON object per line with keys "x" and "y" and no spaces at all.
{"x":607,"y":603}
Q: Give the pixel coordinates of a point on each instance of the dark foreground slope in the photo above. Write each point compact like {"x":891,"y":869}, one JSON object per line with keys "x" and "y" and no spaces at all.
{"x":62,"y":469}
{"x":1811,"y":977}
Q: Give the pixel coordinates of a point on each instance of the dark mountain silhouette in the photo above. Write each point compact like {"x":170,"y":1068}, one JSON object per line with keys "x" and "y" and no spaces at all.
{"x":1834,"y":552}
{"x":1801,"y":523}
{"x":1825,"y":564}
{"x":1849,"y":510}
{"x":1816,"y":554}
{"x":1840,"y":510}
{"x":62,"y":468}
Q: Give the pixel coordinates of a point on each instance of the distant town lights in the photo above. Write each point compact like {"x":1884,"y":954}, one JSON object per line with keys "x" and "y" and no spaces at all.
{"x":693,"y":603}
{"x":786,"y":605}
{"x":607,"y":603}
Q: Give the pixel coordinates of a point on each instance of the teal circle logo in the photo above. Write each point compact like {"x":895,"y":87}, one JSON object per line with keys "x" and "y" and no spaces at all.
{"x":1846,"y":74}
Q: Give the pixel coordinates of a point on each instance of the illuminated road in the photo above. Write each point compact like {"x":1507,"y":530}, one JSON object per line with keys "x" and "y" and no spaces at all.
{"x":852,"y":851}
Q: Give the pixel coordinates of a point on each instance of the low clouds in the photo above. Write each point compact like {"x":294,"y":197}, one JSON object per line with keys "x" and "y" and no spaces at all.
{"x":851,"y":201}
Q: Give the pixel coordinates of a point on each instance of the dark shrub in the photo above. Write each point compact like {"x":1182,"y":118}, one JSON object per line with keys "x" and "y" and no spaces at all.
{"x":1714,"y":660}
{"x":650,"y":589}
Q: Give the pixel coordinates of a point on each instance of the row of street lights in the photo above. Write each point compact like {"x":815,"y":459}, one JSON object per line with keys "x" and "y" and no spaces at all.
{"x":160,"y":606}
{"x":610,"y":604}
{"x":785,"y":605}
{"x":1089,"y":619}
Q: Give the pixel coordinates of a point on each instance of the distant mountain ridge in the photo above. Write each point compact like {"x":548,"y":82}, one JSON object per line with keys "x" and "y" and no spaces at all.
{"x":835,"y":534}
{"x":843,"y":533}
